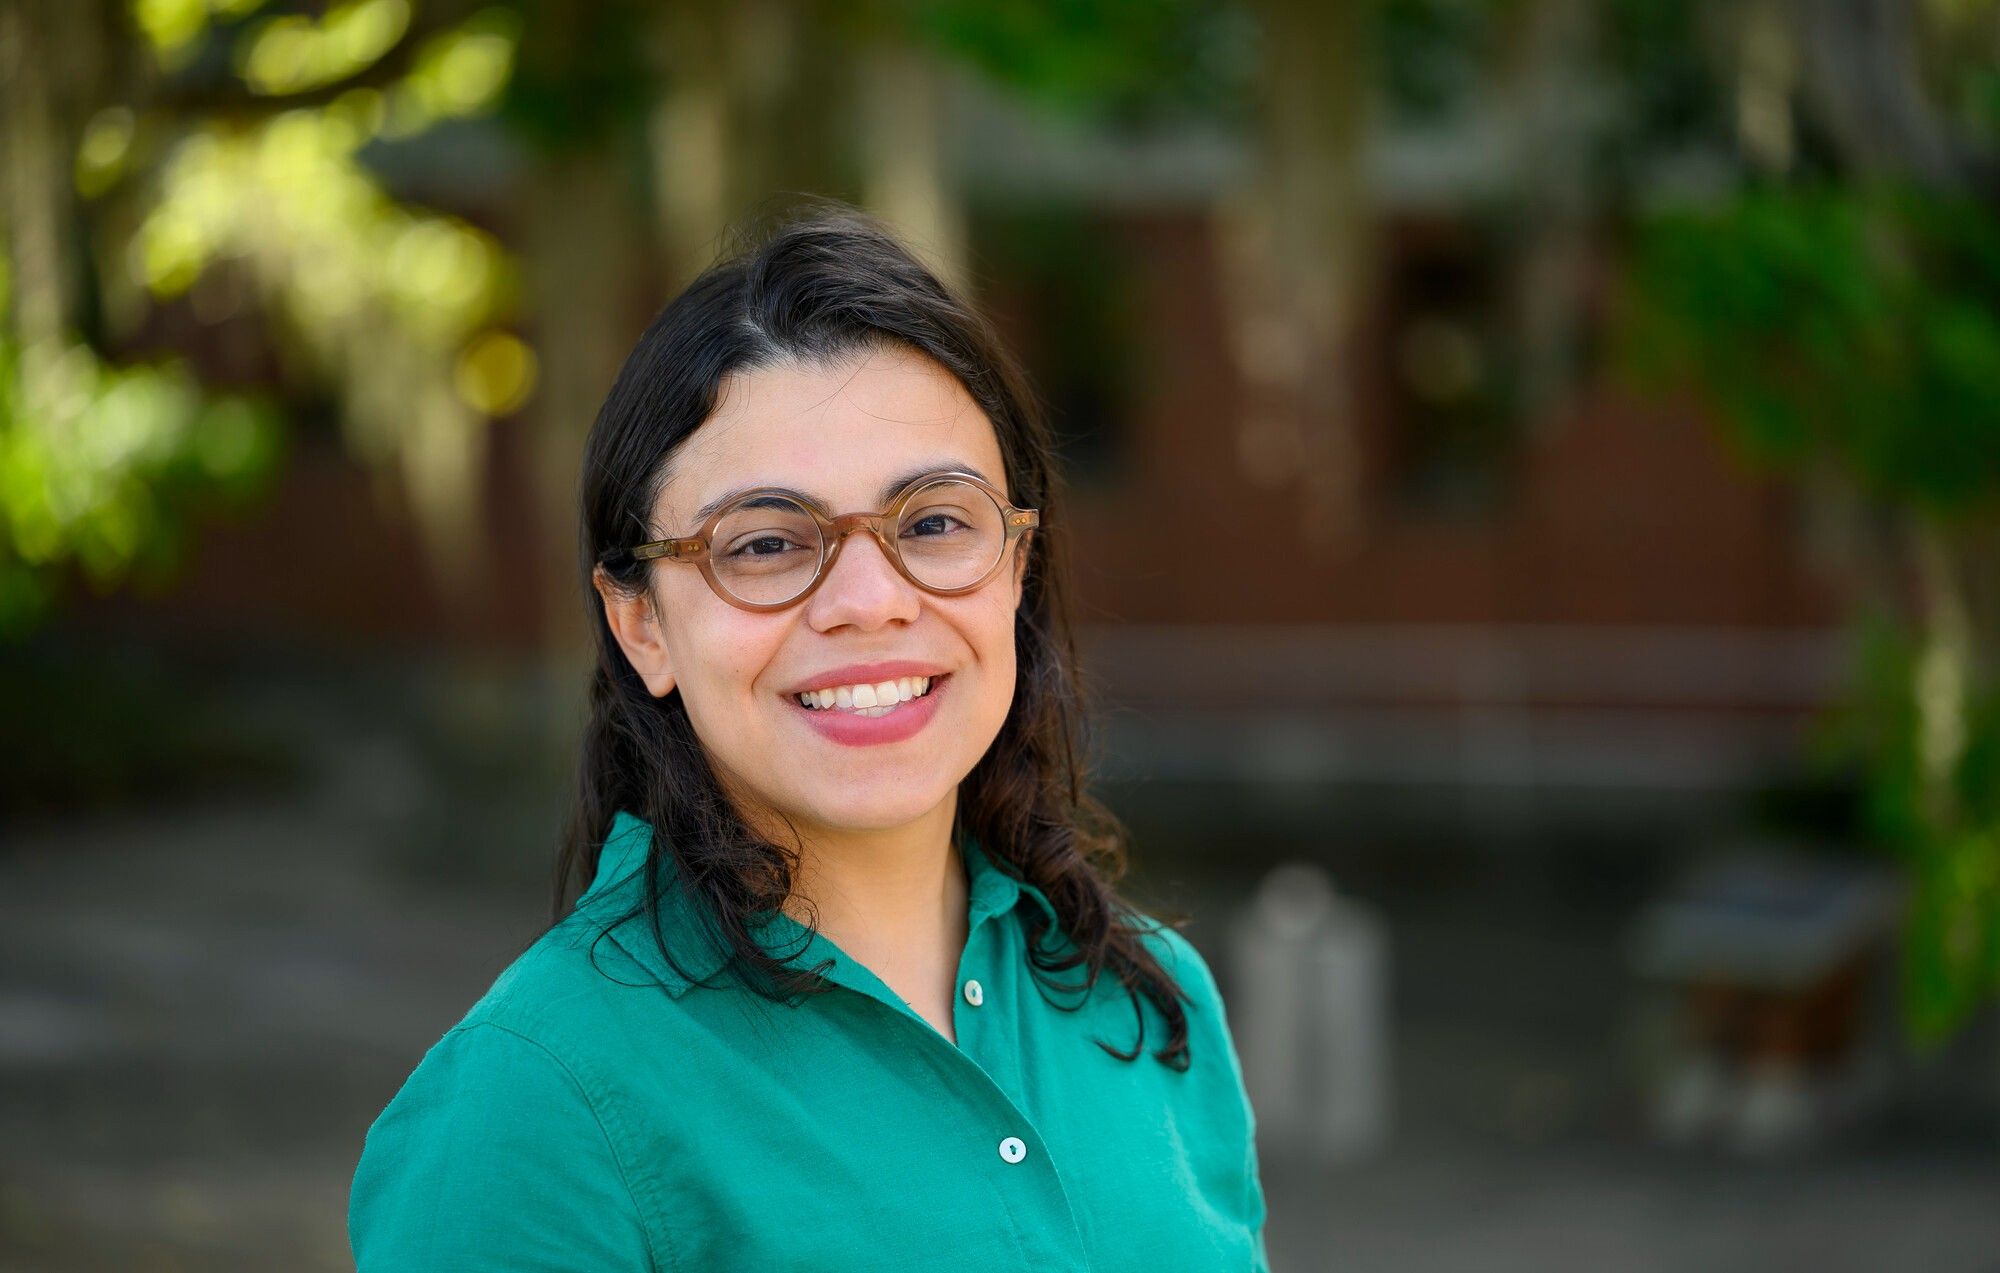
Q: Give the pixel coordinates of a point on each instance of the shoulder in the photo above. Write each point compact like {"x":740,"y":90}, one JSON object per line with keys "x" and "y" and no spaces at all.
{"x":493,"y":1156}
{"x":513,"y":1054}
{"x":558,"y":992}
{"x":521,"y":1056}
{"x":1208,"y":1016}
{"x":490,"y":1068}
{"x":1179,"y":957}
{"x":504,"y":1139}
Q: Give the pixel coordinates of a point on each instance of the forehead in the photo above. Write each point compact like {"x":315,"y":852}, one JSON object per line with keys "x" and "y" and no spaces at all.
{"x":836,"y":432}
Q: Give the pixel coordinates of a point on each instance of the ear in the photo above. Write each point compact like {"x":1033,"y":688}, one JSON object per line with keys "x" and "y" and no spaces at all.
{"x":636,"y":624}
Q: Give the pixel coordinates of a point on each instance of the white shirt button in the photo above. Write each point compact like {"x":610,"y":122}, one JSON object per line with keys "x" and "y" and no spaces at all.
{"x":974,"y":995}
{"x":1012,"y":1149}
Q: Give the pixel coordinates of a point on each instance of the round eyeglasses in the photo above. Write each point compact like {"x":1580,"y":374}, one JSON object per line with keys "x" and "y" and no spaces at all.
{"x":947,"y":533}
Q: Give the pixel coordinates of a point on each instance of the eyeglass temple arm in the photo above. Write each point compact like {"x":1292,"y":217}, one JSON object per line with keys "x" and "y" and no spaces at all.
{"x":672,"y":549}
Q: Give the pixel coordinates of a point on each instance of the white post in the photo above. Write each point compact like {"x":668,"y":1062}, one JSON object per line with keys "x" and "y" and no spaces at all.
{"x":1310,"y":1015}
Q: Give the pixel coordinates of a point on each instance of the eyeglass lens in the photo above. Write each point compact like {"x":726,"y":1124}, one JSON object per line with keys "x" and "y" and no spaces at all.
{"x":767,"y":549}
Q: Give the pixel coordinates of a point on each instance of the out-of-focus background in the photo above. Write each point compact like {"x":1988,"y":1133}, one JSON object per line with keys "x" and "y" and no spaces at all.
{"x":1535,"y":468}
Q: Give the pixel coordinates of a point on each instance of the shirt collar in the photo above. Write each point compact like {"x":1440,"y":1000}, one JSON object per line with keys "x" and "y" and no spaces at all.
{"x":990,"y":892}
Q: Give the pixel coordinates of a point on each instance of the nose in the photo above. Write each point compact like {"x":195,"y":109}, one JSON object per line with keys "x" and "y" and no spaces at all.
{"x":862,"y":587}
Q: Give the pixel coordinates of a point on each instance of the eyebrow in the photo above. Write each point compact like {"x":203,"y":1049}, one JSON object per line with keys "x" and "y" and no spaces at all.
{"x":889,"y":488}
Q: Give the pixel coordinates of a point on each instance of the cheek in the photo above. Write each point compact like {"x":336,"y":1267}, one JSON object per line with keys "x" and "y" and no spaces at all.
{"x":989,"y":627}
{"x":718,"y":657}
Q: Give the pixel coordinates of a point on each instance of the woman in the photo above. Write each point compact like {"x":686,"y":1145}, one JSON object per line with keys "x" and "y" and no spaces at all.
{"x":830,"y":804}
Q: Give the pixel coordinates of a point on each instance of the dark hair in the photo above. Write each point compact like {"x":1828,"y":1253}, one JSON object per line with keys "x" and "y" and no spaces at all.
{"x":816,"y":287}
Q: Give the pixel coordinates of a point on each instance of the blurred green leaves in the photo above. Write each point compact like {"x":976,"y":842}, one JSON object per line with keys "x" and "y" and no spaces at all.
{"x":1952,"y":943}
{"x":102,"y":465}
{"x":1857,"y":330}
{"x":1862,"y":324}
{"x":174,"y":28}
{"x":1117,"y":60}
{"x":293,"y":53}
{"x":245,"y":168}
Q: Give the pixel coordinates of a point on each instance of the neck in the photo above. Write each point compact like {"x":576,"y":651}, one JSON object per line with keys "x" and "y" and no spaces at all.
{"x":893,"y":898}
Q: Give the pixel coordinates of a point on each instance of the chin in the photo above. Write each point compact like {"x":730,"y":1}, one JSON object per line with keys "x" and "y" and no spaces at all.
{"x":868,"y":808}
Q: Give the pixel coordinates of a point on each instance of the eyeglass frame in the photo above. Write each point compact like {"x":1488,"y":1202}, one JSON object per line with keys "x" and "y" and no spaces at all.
{"x":833,"y":530}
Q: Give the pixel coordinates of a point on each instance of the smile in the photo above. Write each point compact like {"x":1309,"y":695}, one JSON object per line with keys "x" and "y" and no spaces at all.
{"x":866,"y":700}
{"x":871,"y":715}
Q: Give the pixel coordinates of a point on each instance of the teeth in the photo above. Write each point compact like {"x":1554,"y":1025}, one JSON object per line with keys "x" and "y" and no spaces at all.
{"x":869,"y":700}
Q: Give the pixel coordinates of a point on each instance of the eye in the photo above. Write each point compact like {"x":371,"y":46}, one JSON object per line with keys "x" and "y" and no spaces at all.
{"x":763,"y":546}
{"x":932,"y":524}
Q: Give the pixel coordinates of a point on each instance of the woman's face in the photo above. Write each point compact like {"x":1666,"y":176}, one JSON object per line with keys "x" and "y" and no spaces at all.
{"x":841,"y":434}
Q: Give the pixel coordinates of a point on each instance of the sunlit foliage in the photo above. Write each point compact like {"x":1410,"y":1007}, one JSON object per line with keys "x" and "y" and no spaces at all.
{"x":1858,"y":329}
{"x":397,"y":310}
{"x":99,"y":463}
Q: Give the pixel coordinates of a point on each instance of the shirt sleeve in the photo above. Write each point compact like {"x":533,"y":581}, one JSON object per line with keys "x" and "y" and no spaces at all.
{"x":1253,"y":1187}
{"x":1253,"y":1201}
{"x":492,"y":1157}
{"x":1185,"y":960}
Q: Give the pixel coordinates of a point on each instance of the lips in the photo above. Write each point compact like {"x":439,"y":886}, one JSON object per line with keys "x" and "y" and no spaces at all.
{"x":851,"y":730}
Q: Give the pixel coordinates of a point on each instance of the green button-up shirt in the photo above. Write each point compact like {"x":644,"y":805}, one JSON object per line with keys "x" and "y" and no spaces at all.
{"x":579,"y":1118}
